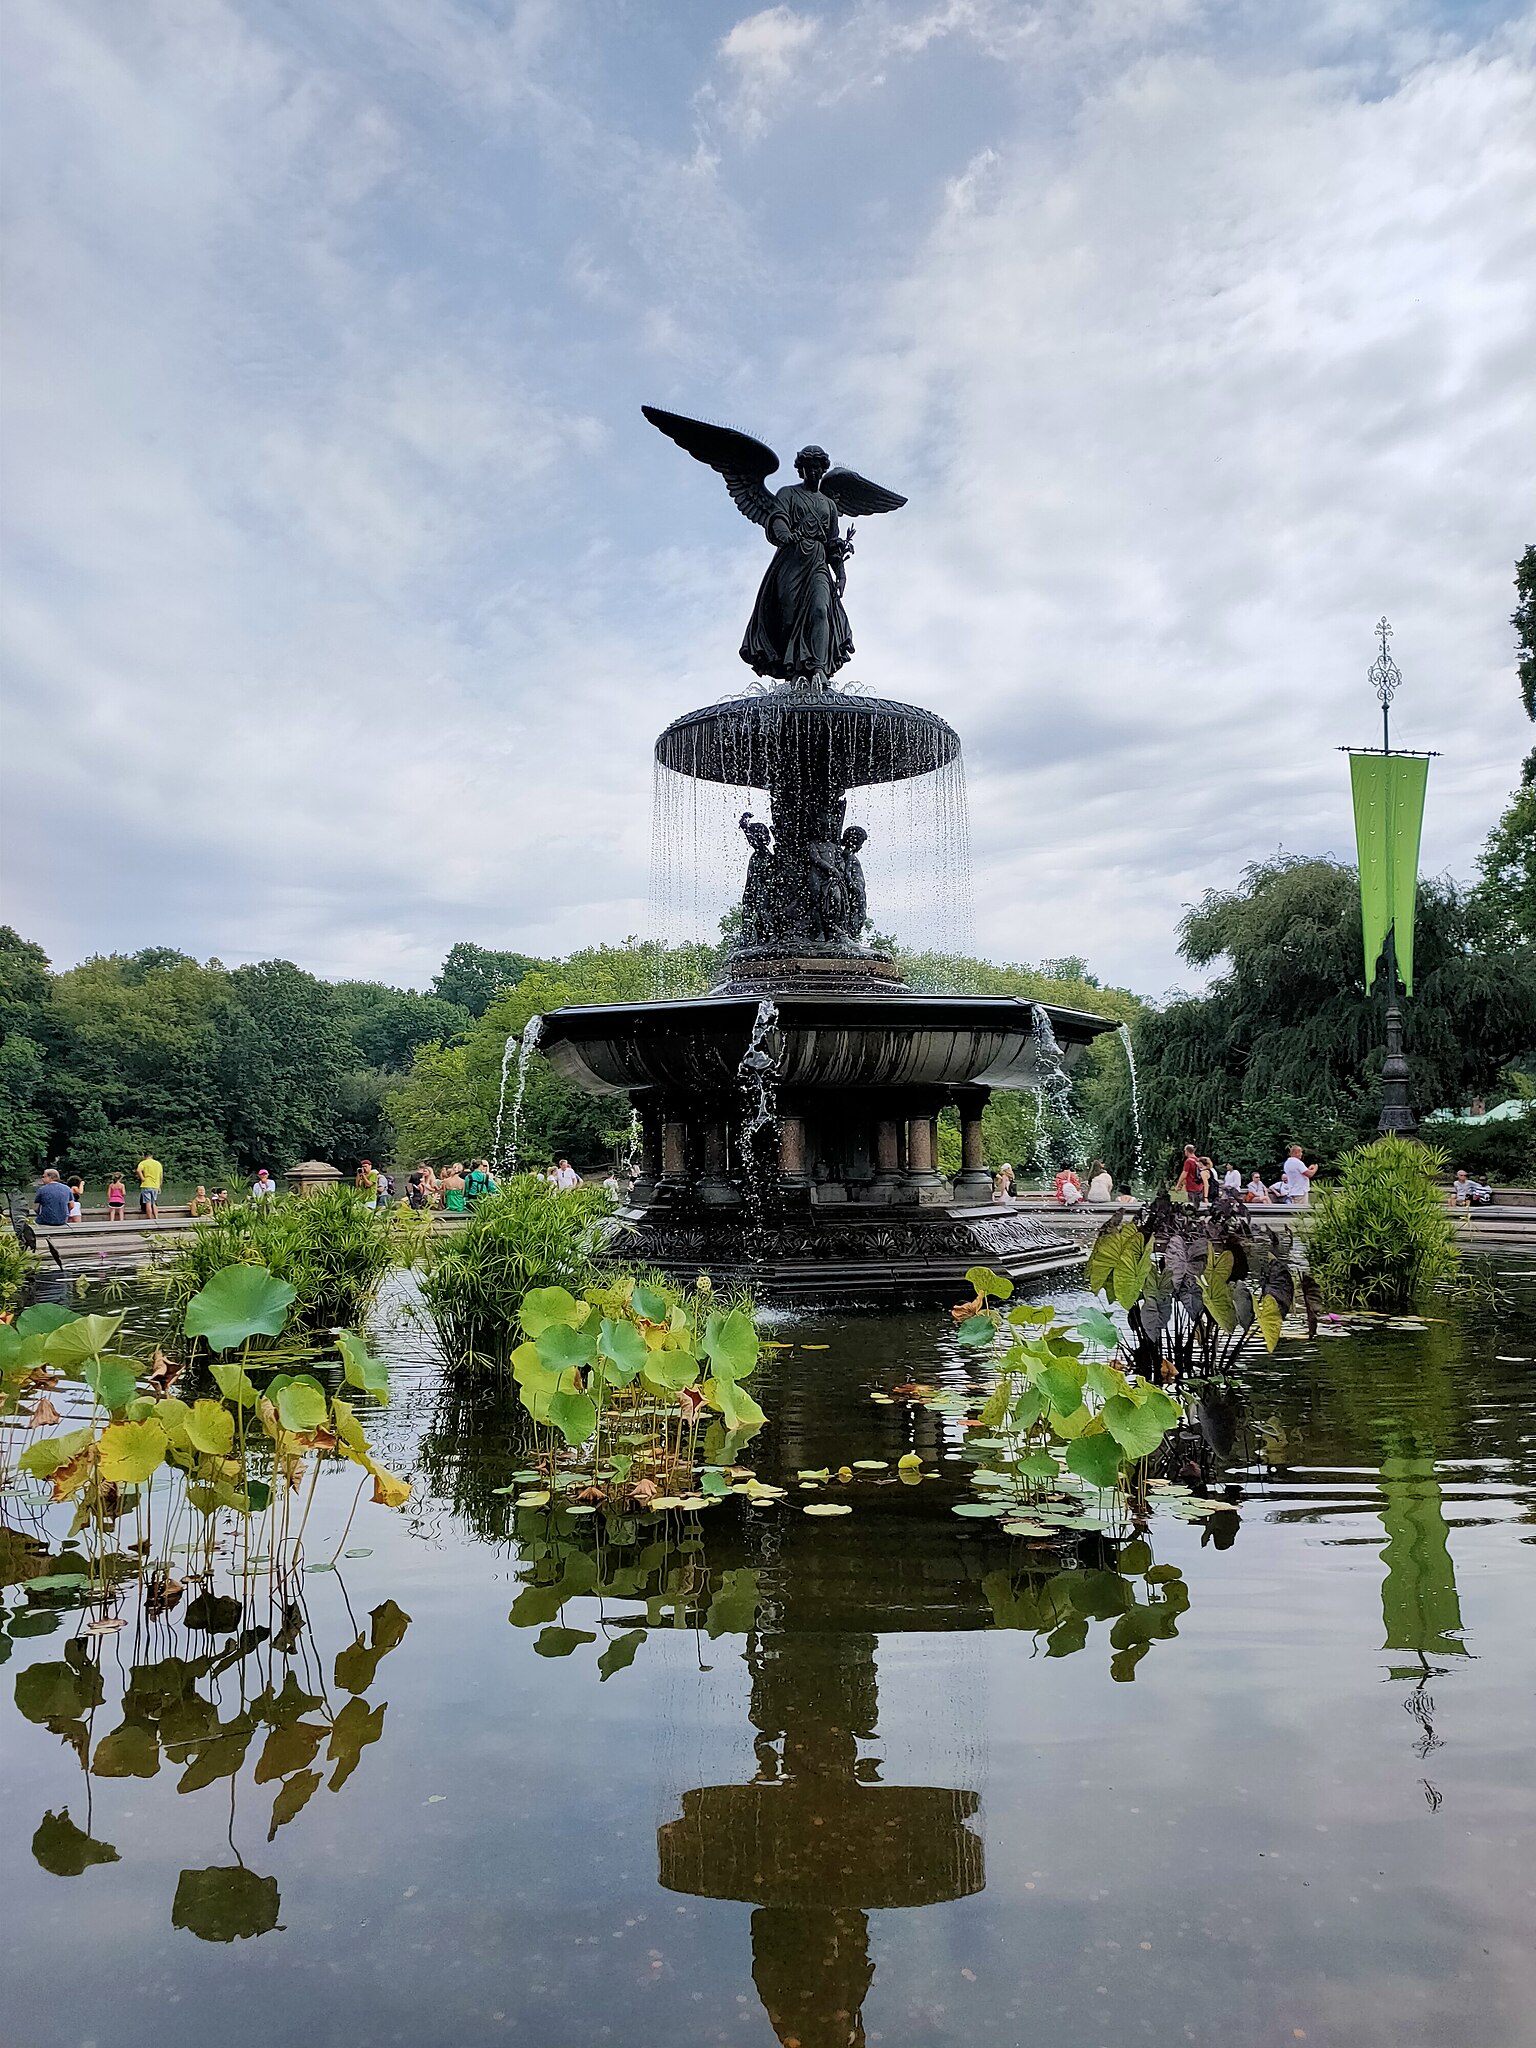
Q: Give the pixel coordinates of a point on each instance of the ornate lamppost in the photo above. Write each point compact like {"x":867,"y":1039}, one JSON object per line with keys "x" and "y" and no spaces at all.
{"x":1388,"y":787}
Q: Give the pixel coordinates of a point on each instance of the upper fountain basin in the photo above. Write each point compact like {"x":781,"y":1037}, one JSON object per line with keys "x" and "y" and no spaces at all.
{"x":824,"y":1042}
{"x":820,"y":737}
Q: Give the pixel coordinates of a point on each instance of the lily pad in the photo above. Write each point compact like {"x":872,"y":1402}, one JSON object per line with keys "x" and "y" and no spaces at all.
{"x":871,"y":1464}
{"x":827,"y":1507}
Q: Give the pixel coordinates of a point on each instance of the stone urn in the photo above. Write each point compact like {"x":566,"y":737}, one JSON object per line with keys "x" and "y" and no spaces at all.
{"x":310,"y":1175}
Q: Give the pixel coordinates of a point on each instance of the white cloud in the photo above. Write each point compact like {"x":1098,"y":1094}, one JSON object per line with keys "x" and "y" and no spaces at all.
{"x":344,"y":590}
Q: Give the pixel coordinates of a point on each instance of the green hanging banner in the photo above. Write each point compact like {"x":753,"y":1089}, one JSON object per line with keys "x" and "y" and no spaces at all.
{"x":1389,"y":815}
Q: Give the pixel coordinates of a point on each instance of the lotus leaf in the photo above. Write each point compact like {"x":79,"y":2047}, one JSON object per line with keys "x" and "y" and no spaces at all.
{"x":1134,"y":1426}
{"x":65,"y":1850}
{"x":730,"y":1344}
{"x":70,"y":1344}
{"x":360,"y":1368}
{"x":733,"y":1611}
{"x":620,"y":1653}
{"x":734,"y":1403}
{"x":237,"y":1304}
{"x":301,"y":1405}
{"x":44,"y":1458}
{"x":559,"y":1346}
{"x":293,"y":1796}
{"x":976,"y":1331}
{"x":209,"y":1427}
{"x":623,"y":1346}
{"x":544,"y":1308}
{"x":573,"y":1414}
{"x":389,"y":1491}
{"x":1096,"y":1458}
{"x":58,"y":1692}
{"x":348,"y":1429}
{"x":560,"y":1642}
{"x":130,"y":1751}
{"x":989,"y":1285}
{"x":129,"y":1451}
{"x":1061,"y":1382}
{"x":233,"y":1382}
{"x":827,"y":1507}
{"x":670,"y":1371}
{"x":1100,"y":1329}
{"x":43,"y":1318}
{"x":225,"y":1903}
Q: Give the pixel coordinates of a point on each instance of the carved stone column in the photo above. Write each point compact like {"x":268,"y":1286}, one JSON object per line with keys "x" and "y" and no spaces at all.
{"x":973,"y":1183}
{"x":674,"y":1182}
{"x":924,"y":1181}
{"x":715,"y":1187}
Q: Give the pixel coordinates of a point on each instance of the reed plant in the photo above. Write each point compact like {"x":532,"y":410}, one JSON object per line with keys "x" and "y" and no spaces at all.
{"x":527,"y":1235}
{"x":1382,"y":1238}
{"x":330,"y":1247}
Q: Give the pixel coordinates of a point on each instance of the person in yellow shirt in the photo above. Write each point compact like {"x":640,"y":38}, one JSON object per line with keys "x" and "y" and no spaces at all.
{"x":151,"y":1179}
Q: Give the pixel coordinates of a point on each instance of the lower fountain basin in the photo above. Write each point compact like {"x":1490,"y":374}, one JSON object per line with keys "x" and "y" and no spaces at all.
{"x":841,"y":1042}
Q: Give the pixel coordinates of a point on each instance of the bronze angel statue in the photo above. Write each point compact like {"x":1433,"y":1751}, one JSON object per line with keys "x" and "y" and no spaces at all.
{"x":798,"y":631}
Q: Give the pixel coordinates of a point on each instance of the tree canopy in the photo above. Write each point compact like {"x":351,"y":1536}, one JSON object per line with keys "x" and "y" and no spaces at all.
{"x":1286,"y":1047}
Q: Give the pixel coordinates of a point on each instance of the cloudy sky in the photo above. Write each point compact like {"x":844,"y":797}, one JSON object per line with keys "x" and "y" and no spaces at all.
{"x":345,"y":588}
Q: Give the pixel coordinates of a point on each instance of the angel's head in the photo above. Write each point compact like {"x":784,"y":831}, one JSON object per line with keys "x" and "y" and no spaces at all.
{"x":854,"y":838}
{"x":813,"y":464}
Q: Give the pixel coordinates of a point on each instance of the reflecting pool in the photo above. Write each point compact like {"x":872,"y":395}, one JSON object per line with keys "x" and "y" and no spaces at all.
{"x":1255,"y":1778}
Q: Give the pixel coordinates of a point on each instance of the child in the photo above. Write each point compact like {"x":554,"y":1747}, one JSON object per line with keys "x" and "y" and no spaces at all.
{"x":117,"y":1194}
{"x":76,"y":1190}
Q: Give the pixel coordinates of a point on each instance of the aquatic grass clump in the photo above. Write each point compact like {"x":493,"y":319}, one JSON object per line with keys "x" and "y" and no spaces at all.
{"x":1382,"y":1238}
{"x":527,"y":1235}
{"x":330,"y":1247}
{"x":16,"y":1266}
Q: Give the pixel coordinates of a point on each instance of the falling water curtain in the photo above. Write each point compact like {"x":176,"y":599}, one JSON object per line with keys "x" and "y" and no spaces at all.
{"x":1389,"y":814}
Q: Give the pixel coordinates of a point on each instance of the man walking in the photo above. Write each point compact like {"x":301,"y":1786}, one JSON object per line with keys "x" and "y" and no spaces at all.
{"x":151,"y":1179}
{"x":566,"y":1177}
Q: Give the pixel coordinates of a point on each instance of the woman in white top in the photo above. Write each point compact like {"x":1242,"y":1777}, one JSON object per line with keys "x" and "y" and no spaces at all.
{"x":1101,"y":1185}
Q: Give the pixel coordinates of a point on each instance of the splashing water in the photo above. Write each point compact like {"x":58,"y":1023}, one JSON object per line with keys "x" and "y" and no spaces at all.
{"x":1053,"y":1096}
{"x":525,"y":1047}
{"x":633,"y":1146}
{"x":758,"y":1075}
{"x":1130,"y":1061}
{"x":497,"y":1159}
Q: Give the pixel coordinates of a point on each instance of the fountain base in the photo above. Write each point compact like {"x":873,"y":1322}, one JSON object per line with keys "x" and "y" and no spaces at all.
{"x":845,"y":1250}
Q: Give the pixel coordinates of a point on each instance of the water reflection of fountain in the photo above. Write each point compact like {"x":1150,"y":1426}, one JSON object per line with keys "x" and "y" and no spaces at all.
{"x":815,"y":1843}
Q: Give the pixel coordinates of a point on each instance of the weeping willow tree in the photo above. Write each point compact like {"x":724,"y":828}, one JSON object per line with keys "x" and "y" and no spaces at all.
{"x":1285,"y":1047}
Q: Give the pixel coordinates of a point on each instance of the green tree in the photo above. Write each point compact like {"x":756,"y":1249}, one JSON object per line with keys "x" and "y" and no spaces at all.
{"x":474,"y":976}
{"x":1504,"y":901}
{"x":1287,"y":1047}
{"x":281,"y":1059}
{"x":1523,"y":619}
{"x":26,"y":994}
{"x":385,"y":1025}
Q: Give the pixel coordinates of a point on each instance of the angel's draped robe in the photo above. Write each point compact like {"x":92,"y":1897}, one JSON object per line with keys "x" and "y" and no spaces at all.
{"x":798,"y":625}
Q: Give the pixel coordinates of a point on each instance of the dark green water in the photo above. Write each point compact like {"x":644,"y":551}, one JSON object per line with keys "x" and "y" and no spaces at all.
{"x":873,"y":1778}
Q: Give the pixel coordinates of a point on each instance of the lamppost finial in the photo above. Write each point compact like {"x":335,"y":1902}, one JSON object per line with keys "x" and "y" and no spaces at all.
{"x":1386,"y":676}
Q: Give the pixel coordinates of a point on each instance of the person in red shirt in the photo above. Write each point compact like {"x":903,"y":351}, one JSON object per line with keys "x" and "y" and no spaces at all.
{"x":1192,"y":1174}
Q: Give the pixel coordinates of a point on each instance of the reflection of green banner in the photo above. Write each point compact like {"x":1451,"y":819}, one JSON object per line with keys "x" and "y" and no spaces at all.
{"x":1419,"y":1605}
{"x":1389,"y":812}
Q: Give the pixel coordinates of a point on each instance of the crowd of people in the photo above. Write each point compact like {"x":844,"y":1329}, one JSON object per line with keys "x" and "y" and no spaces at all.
{"x":1197,"y":1178}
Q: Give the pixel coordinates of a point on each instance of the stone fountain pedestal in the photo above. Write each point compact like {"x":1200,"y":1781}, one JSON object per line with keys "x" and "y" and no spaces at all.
{"x":840,"y":1196}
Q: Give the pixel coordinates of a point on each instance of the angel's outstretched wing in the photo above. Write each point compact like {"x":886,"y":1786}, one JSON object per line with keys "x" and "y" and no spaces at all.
{"x":743,"y":462}
{"x":855,"y":496}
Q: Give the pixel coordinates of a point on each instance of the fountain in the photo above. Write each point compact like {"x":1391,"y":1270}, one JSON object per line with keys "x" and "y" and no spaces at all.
{"x":852,"y":1202}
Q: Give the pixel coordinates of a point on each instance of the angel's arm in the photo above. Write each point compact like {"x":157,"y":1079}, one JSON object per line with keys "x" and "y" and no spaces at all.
{"x":743,"y":462}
